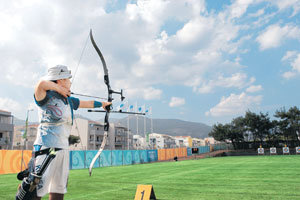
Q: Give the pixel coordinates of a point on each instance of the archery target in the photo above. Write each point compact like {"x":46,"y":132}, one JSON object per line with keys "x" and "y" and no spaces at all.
{"x":285,"y":150}
{"x":297,"y":149}
{"x":273,"y":150}
{"x":260,"y":150}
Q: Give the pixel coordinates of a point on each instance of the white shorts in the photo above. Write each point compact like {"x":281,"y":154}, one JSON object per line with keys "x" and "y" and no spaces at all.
{"x":55,"y":178}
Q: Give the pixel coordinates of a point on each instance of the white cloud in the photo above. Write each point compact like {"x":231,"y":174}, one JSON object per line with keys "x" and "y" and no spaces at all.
{"x":176,"y":101}
{"x":237,"y":80}
{"x":296,"y":63}
{"x":289,"y":75}
{"x":152,"y":93}
{"x":239,"y":7}
{"x":10,"y":105}
{"x":204,"y":53}
{"x":274,"y":35}
{"x":254,"y":88}
{"x":234,"y":105}
{"x":149,"y":11}
{"x":282,"y":5}
{"x":195,"y":29}
{"x":289,"y":55}
{"x":257,"y":13}
{"x":294,"y":60}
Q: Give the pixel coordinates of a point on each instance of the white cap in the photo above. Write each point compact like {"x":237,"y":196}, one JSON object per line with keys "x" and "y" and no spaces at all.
{"x":58,"y":72}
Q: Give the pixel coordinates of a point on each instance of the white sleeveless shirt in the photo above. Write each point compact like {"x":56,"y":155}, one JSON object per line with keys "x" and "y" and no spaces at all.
{"x":56,"y":120}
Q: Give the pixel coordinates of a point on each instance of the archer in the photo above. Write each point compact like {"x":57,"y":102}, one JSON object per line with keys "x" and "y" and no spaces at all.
{"x":49,"y":168}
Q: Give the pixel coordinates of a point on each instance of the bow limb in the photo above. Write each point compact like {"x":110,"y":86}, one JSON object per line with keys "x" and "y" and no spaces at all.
{"x":109,"y":99}
{"x":98,"y":153}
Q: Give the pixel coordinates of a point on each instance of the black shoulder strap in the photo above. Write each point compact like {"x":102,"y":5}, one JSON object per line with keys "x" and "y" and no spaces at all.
{"x":44,"y":151}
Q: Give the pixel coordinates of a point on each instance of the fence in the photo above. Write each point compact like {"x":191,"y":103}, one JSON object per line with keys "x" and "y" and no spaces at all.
{"x":10,"y":160}
{"x":167,"y":154}
{"x":82,"y":159}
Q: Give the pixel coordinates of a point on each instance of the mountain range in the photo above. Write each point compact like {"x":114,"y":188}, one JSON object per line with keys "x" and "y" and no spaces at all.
{"x":173,"y":127}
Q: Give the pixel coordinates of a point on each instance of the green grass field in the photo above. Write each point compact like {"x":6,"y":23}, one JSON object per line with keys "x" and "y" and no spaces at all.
{"x":252,"y":177}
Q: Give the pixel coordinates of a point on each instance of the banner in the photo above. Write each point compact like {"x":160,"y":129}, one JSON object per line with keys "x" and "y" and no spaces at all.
{"x":127,"y":157}
{"x":152,"y":155}
{"x":135,"y":156}
{"x":161,"y":154}
{"x":105,"y":158}
{"x":77,"y":159}
{"x":117,"y":157}
{"x":189,"y":151}
{"x":11,"y":160}
{"x":89,"y":155}
{"x":204,"y":149}
{"x":144,"y":156}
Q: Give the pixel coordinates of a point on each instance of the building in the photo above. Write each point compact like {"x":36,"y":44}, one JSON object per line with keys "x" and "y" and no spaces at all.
{"x":91,"y":136}
{"x":209,"y":141}
{"x":6,"y":130}
{"x":184,"y":141}
{"x":138,"y":142}
{"x":123,"y":138}
{"x":198,"y":142}
{"x":161,"y":141}
{"x":20,"y":142}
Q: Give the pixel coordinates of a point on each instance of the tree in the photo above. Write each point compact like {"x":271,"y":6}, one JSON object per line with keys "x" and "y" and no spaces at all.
{"x":227,"y":132}
{"x":239,"y":128}
{"x":259,"y":125}
{"x":218,"y":132}
{"x":274,"y":132}
{"x":290,"y":122}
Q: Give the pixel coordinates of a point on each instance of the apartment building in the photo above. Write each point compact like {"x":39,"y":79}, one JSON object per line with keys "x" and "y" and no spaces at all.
{"x":123,"y":138}
{"x":161,"y":141}
{"x":6,"y":130}
{"x":139,"y":142}
{"x":91,"y":136}
{"x":184,"y":141}
{"x":198,"y":142}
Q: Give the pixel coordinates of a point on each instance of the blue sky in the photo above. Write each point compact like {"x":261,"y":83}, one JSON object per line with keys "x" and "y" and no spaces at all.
{"x":195,"y":60}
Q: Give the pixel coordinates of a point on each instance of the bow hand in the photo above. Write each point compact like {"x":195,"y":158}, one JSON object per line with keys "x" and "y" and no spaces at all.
{"x":107,"y":106}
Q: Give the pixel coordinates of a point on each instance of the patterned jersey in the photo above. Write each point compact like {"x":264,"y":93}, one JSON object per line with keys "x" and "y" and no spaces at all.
{"x":56,"y":120}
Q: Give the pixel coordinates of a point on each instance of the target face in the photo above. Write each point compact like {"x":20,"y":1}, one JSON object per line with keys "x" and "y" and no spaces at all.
{"x":260,"y":150}
{"x":285,"y":150}
{"x":273,"y":150}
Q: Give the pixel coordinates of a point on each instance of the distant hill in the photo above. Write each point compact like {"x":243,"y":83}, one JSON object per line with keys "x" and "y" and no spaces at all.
{"x":174,"y":127}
